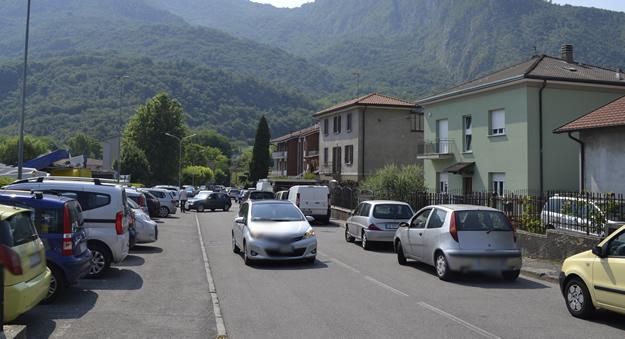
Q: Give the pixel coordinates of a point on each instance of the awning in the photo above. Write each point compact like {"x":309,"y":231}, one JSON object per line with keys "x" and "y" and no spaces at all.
{"x":461,"y":168}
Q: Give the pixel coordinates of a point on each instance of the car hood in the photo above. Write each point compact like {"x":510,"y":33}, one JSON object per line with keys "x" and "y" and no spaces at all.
{"x":581,"y":256}
{"x":284,"y":228}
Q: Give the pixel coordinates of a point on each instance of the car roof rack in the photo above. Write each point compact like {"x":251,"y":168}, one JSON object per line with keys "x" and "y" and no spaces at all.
{"x":97,"y":181}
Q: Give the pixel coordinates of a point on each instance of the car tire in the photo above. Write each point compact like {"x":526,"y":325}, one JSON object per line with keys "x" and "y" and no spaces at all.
{"x":163,"y":212}
{"x":510,"y":275}
{"x":577,"y":298}
{"x":57,"y":285}
{"x":100,"y":260}
{"x":235,"y":248}
{"x":442,"y":267}
{"x":348,"y":237}
{"x":364,"y":241}
{"x":401,"y":257}
{"x":199,"y":208}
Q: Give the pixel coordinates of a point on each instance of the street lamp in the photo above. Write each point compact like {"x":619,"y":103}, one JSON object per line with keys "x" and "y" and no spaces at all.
{"x":180,"y":140}
{"x":20,"y":151}
{"x":121,"y":129}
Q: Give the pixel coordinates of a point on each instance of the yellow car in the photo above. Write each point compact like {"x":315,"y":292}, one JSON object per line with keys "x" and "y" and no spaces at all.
{"x":18,"y":234}
{"x":596,"y":279}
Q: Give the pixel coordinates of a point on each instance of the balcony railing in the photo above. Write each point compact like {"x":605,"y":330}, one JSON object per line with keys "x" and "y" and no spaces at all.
{"x":437,"y":149}
{"x":309,"y":154}
{"x":330,"y":169}
{"x":278,"y":173}
{"x":279,"y":155}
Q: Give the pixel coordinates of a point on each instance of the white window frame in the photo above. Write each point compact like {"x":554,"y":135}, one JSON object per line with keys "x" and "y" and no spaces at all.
{"x":498,"y":183}
{"x":443,"y":182}
{"x":349,"y":154}
{"x":467,"y":147}
{"x":497,"y":122}
{"x":349,"y":122}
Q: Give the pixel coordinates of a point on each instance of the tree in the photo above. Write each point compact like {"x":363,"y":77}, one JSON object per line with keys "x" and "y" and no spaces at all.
{"x":213,"y":139}
{"x":261,"y":159}
{"x":221,"y":178}
{"x":197,"y":174}
{"x":135,"y":163}
{"x":147,"y":130}
{"x":396,"y":183}
{"x":82,"y":144}
{"x":33,"y":147}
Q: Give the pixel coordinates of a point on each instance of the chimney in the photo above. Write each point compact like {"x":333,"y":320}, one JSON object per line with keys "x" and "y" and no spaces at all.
{"x":566,"y":53}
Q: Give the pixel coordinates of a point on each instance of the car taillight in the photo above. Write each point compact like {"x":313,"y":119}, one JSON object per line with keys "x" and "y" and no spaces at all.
{"x":373,"y":227}
{"x":297,"y":200}
{"x":453,"y":230}
{"x":11,"y":260}
{"x":68,"y":243}
{"x":119,"y":219}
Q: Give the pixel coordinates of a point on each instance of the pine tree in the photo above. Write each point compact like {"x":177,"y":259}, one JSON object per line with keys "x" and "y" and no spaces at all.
{"x":261,"y":159}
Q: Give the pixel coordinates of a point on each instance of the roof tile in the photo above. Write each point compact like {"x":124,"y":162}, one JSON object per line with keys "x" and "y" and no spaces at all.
{"x":373,"y":99}
{"x":610,"y":115}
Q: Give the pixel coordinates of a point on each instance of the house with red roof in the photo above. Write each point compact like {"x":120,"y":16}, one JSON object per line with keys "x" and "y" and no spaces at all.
{"x":297,"y":153}
{"x":600,"y":135}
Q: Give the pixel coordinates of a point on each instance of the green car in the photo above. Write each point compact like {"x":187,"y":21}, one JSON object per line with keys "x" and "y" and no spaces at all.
{"x":22,"y":244}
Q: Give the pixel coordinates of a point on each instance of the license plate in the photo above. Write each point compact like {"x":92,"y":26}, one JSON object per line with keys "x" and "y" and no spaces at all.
{"x":392,"y":226}
{"x":34,"y":260}
{"x":286,"y":249}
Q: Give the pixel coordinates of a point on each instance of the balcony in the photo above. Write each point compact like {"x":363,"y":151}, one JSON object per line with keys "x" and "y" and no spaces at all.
{"x":310,"y":154}
{"x":330,"y":169}
{"x":277,"y":173}
{"x":279,"y":155}
{"x":434,"y":150}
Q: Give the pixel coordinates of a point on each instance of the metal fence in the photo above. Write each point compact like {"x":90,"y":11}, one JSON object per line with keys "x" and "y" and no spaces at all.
{"x":588,"y":213}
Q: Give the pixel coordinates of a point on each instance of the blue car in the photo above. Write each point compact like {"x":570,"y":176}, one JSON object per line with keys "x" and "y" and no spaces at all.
{"x":58,"y":221}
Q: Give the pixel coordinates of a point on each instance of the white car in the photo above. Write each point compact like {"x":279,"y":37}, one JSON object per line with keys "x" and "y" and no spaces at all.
{"x":147,"y":230}
{"x":273,"y":230}
{"x":312,"y":200}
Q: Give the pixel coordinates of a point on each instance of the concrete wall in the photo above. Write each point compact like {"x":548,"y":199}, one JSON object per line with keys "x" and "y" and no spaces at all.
{"x":342,"y":139}
{"x":555,"y":245}
{"x":605,"y":160}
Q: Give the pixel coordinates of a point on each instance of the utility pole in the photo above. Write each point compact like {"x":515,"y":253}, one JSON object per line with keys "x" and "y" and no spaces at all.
{"x":20,"y":152}
{"x":180,"y":140}
{"x":121,"y":127}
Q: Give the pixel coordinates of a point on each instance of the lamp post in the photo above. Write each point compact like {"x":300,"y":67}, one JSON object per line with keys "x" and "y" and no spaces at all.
{"x":121,"y":124}
{"x":20,"y":152}
{"x":180,"y":140}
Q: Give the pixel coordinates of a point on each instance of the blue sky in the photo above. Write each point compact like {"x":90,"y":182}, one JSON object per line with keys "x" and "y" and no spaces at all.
{"x":615,"y":5}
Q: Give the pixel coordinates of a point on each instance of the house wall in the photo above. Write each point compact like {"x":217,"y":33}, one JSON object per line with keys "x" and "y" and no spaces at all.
{"x":342,"y":139}
{"x":605,"y":159}
{"x":292,"y":157}
{"x":388,"y":139}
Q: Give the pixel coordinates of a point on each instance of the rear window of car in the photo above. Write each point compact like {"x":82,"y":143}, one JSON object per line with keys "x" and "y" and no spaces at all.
{"x":392,"y":211}
{"x":482,"y":221}
{"x":262,"y":196}
{"x":17,"y":230}
{"x":276,"y":212}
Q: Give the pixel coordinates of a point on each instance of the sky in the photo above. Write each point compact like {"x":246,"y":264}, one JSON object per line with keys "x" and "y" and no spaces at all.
{"x":615,"y":5}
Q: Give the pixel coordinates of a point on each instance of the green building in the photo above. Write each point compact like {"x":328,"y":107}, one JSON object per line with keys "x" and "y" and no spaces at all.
{"x":495,"y":133}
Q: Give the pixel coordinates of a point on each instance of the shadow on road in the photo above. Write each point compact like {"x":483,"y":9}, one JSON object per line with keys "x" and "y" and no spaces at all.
{"x":146,"y":249}
{"x":609,"y":319}
{"x":331,"y":224}
{"x":131,"y":260}
{"x":114,"y":279}
{"x":288,"y":265}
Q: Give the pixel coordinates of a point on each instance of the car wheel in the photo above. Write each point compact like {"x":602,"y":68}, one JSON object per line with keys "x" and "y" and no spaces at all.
{"x":100,"y":260}
{"x":511,"y":275}
{"x":578,"y":300}
{"x":235,"y":248}
{"x":401,"y":257}
{"x":246,"y":259}
{"x":442,"y":267}
{"x":364,"y":241}
{"x":57,"y":284}
{"x":163,"y":212}
{"x":200,"y":208}
{"x":348,"y":237}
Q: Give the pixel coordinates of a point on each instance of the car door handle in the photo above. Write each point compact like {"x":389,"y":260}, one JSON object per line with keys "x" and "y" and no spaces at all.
{"x":420,"y":234}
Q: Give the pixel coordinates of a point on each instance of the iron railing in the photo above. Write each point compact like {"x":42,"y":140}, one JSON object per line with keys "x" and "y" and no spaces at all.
{"x":436,"y":147}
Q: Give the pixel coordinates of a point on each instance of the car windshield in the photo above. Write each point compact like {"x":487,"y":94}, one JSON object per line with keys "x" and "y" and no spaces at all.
{"x":392,"y":211}
{"x":201,"y":196}
{"x":17,"y":230}
{"x":276,"y":212}
{"x":482,"y":221}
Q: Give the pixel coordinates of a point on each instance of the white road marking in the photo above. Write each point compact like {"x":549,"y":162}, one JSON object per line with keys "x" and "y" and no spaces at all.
{"x":219,"y":320}
{"x":340,"y":263}
{"x":383,"y":285}
{"x":451,"y":317}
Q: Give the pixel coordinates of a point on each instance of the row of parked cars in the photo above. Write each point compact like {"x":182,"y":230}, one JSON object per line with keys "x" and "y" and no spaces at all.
{"x":61,"y":229}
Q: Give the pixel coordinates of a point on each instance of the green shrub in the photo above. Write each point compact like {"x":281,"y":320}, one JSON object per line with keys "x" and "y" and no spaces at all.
{"x":6,"y":181}
{"x":310,"y":176}
{"x":396,"y":183}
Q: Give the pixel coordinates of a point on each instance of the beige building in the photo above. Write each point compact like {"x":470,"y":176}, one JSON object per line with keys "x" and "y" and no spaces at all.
{"x":362,"y":135}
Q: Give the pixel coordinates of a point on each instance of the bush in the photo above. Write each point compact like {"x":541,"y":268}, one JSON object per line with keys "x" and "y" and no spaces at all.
{"x":396,"y":183}
{"x":6,"y":180}
{"x":310,"y":176}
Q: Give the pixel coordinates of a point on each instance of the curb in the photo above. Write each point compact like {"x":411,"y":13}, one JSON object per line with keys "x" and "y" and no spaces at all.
{"x":15,"y":331}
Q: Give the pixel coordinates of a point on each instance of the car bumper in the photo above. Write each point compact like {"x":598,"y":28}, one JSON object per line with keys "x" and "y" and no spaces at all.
{"x":123,"y":246}
{"x":382,"y":236}
{"x":561,"y":280}
{"x":478,"y":261}
{"x":20,"y":298}
{"x":76,"y":268}
{"x":264,"y":250}
{"x":147,"y":232}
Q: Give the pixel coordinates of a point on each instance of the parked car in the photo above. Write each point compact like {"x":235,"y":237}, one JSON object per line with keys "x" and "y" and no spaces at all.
{"x":460,"y":238}
{"x":104,"y":210}
{"x":282,"y":195}
{"x":376,"y":221}
{"x":582,"y":215}
{"x":210,"y":201}
{"x":273,"y":230}
{"x":595,"y":279}
{"x":313,"y":201}
{"x":139,"y":198}
{"x":147,"y":229}
{"x":241,"y":196}
{"x":190,"y":190}
{"x":166,"y":199}
{"x":58,"y":221}
{"x":22,"y":244}
{"x":154,"y":205}
{"x":173,"y":189}
{"x":259,"y":195}
{"x":233,"y":193}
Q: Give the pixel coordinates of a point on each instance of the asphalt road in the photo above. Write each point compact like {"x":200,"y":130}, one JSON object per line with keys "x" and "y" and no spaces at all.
{"x":352,"y":293}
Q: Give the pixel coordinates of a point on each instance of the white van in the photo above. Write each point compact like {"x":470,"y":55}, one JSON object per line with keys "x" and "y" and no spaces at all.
{"x":313,"y":201}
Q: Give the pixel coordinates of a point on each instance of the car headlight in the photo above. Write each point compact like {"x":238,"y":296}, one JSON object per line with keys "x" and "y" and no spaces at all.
{"x":257,"y":235}
{"x":309,"y":234}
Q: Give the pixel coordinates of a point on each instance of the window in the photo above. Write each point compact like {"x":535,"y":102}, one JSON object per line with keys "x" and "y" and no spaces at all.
{"x":95,"y":200}
{"x":392,"y":211}
{"x":443,"y":182}
{"x":17,"y":230}
{"x":420,"y":220}
{"x":475,"y":220}
{"x":616,"y":248}
{"x":468,"y":134}
{"x":416,"y":122}
{"x":498,"y":122}
{"x":498,"y":183}
{"x":243,"y":210}
{"x":349,"y":154}
{"x":326,"y":127}
{"x":349,"y":122}
{"x":325,"y":155}
{"x":366,"y":208}
{"x":437,"y":219}
{"x":337,"y":124}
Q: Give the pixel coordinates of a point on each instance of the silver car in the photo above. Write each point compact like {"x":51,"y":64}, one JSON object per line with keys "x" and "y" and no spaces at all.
{"x":376,"y":221}
{"x":460,"y":238}
{"x":167,"y":200}
{"x":147,"y":230}
{"x":273,"y":230}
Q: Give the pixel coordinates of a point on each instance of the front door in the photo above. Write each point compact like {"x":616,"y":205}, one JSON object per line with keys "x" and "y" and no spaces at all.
{"x":467,"y":185}
{"x":442,"y":134}
{"x":415,"y":234}
{"x":609,"y":275}
{"x":430,"y":235}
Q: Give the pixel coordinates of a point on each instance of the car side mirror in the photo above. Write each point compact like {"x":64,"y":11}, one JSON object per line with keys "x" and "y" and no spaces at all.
{"x":310,"y":219}
{"x":239,"y":220}
{"x":404,"y":224}
{"x":598,"y":251}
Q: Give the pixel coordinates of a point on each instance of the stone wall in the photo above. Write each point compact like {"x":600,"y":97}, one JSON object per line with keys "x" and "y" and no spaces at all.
{"x":555,"y":245}
{"x":340,"y":213}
